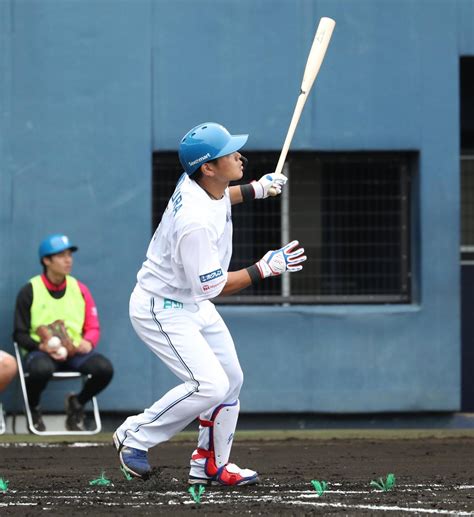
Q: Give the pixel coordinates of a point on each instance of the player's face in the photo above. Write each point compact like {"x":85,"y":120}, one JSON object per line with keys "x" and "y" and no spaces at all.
{"x":229,"y":168}
{"x":59,"y":264}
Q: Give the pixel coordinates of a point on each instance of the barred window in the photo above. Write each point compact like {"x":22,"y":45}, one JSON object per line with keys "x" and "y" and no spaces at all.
{"x":350,"y":211}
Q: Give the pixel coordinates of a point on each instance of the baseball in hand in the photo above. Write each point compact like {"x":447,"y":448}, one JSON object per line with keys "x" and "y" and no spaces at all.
{"x":61,"y":352}
{"x":54,"y":343}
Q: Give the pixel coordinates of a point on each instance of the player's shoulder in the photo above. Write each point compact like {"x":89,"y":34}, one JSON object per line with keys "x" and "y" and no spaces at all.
{"x":192,"y":216}
{"x":181,"y":197}
{"x":82,"y":286}
{"x":25,"y":290}
{"x":191,"y":202}
{"x":190,"y":208}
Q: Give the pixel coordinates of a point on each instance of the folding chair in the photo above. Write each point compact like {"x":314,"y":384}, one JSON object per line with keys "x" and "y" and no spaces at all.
{"x":57,"y":376}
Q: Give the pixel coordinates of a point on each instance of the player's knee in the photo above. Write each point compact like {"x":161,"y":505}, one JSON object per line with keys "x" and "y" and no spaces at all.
{"x":8,"y":369}
{"x":215,"y":388}
{"x":236,"y":379}
{"x":40,"y":368}
{"x":12,"y":368}
{"x":100,"y":368}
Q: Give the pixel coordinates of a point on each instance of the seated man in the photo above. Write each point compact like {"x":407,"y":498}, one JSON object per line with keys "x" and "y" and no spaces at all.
{"x":54,"y":297}
{"x":8,"y":369}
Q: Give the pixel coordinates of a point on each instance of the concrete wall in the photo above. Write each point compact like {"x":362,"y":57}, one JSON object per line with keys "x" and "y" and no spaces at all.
{"x":88,"y":89}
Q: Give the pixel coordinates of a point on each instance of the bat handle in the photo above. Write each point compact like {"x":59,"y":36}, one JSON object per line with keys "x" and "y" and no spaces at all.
{"x":272,"y":192}
{"x":289,"y":137}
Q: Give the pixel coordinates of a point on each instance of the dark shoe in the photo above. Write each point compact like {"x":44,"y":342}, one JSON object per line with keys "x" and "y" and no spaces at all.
{"x":74,"y":414}
{"x":134,"y":461}
{"x":37,"y":417}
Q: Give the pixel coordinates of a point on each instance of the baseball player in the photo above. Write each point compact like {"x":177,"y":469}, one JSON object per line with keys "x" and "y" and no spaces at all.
{"x":170,"y":308}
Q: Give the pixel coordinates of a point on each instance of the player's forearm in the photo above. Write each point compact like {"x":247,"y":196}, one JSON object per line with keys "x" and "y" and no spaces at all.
{"x":236,"y":281}
{"x":235,"y":195}
{"x":241,"y":193}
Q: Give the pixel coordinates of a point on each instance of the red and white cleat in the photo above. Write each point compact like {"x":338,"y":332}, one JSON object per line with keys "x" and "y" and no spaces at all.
{"x":228,"y":475}
{"x":232,"y":475}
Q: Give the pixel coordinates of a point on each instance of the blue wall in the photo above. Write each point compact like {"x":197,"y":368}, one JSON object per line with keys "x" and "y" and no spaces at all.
{"x":88,"y":89}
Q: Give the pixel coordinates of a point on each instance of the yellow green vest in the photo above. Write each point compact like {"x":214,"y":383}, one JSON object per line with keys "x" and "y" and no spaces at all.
{"x":70,"y":308}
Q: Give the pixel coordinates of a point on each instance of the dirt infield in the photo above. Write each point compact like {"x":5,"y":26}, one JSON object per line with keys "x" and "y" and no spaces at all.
{"x":433,"y":476}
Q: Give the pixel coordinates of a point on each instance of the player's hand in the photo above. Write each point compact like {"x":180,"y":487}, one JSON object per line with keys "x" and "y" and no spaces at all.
{"x":275,"y":262}
{"x":43,"y":347}
{"x":84,"y":347}
{"x":263,"y":185}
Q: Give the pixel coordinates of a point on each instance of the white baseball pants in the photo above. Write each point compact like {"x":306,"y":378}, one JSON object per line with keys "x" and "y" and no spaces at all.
{"x":195,"y":344}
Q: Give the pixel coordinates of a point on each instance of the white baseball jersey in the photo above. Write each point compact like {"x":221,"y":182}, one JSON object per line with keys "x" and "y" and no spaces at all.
{"x":189,"y":254}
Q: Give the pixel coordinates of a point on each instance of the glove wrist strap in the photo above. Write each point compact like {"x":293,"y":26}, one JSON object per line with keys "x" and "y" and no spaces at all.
{"x":254,"y":274}
{"x":248,"y":192}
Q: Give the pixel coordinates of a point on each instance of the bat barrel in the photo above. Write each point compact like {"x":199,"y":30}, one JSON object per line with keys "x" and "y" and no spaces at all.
{"x":315,"y":58}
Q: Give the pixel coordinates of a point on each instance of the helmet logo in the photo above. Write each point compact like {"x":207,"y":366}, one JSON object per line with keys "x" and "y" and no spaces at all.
{"x":200,"y":159}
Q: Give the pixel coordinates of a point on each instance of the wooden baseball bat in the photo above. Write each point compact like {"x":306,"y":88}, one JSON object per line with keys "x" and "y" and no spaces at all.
{"x":313,"y":64}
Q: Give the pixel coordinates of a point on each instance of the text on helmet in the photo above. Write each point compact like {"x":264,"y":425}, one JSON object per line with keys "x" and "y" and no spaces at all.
{"x":200,"y":159}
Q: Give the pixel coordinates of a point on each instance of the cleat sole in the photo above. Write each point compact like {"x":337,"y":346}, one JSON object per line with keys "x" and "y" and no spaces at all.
{"x":215,"y":483}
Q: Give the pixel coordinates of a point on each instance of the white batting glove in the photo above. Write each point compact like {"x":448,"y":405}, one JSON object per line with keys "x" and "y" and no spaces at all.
{"x":275,"y":262}
{"x":263,"y":185}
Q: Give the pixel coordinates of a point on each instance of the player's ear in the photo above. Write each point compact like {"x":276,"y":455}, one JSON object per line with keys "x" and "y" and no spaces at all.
{"x":207,"y":169}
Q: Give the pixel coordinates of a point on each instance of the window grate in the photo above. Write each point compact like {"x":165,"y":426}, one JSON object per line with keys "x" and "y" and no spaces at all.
{"x":351,"y":212}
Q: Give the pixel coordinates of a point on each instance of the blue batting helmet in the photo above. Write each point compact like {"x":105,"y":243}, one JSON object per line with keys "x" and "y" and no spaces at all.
{"x":55,"y":244}
{"x":207,"y":142}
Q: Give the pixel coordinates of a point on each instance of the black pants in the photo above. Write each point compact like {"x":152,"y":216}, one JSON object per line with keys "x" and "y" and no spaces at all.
{"x":40,"y":367}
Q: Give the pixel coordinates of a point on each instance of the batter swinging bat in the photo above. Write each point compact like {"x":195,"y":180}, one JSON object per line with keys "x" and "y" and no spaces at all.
{"x":315,"y":59}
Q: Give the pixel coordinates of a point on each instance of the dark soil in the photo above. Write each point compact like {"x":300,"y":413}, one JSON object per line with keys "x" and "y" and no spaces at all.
{"x":432,"y":474}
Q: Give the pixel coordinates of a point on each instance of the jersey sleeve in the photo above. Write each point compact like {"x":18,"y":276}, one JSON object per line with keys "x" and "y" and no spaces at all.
{"x":22,"y":319}
{"x":91,"y":328}
{"x":200,"y":259}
